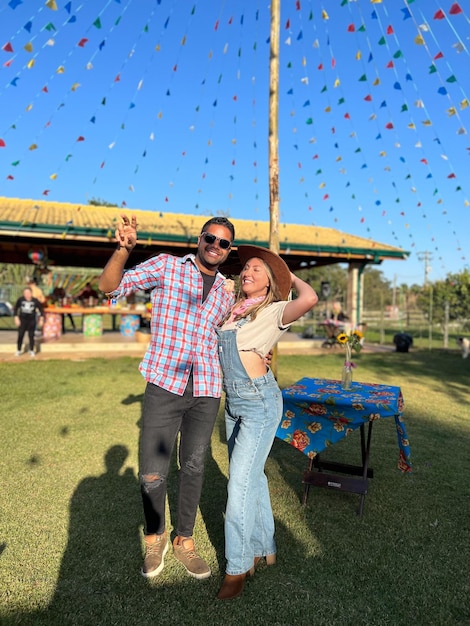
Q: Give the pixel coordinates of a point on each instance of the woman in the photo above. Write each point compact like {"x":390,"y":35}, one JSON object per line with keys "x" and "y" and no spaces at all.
{"x":253,"y":405}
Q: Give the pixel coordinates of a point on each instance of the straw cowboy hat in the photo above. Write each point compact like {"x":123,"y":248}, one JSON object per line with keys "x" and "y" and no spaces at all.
{"x":278,"y":266}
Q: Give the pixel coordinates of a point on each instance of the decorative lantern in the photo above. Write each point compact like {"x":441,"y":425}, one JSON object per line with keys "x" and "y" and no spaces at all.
{"x":36,"y":256}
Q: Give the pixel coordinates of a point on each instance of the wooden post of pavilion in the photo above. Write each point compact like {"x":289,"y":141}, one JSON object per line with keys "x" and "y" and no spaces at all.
{"x":273,"y":139}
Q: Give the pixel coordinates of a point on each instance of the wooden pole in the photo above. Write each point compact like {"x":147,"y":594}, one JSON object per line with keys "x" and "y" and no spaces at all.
{"x":273,"y":139}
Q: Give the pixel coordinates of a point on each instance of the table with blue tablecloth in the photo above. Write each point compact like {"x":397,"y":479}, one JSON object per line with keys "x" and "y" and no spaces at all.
{"x":318,"y":413}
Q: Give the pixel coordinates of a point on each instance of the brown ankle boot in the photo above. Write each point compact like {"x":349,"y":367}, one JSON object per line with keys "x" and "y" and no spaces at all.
{"x":232,"y":587}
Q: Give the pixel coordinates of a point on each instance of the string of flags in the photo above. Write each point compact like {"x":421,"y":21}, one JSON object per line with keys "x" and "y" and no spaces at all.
{"x":373,"y":108}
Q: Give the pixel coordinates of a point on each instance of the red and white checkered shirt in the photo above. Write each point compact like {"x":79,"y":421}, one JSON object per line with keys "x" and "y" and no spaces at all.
{"x":183,"y":338}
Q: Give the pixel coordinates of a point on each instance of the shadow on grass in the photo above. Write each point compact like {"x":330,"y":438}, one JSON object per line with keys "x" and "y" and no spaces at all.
{"x":104,"y":547}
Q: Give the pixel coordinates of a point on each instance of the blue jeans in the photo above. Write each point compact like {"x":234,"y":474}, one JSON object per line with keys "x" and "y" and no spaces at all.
{"x":253,"y":411}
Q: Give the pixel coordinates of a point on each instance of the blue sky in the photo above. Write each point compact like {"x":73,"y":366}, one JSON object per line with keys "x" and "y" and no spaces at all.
{"x":162,"y":105}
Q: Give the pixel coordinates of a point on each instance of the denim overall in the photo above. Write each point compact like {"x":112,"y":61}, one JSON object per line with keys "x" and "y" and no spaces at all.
{"x":253,"y":411}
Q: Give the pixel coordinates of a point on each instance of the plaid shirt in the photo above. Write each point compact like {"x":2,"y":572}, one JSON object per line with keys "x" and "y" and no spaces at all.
{"x":183,"y":338}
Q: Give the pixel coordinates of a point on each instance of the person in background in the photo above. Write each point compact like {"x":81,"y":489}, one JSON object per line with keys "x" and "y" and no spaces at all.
{"x":88,"y":295}
{"x":253,"y":405}
{"x":29,"y":313}
{"x":184,"y":383}
{"x":36,"y":290}
{"x":59,"y":295}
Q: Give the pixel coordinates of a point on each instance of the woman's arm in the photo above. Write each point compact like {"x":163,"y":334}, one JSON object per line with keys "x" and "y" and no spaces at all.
{"x":306,"y":300}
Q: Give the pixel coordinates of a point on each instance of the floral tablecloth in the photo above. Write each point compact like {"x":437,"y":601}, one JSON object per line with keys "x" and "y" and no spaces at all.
{"x":318,"y":413}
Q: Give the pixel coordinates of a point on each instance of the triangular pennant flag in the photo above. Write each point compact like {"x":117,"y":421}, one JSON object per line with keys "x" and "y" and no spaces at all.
{"x":51,"y":4}
{"x":7,"y":47}
{"x":455,"y":9}
{"x":439,"y":15}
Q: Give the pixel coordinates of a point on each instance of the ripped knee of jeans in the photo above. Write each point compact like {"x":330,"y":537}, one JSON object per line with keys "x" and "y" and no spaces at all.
{"x":150,"y":482}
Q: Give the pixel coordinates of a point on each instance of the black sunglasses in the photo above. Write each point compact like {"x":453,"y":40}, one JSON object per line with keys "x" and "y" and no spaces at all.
{"x":225,"y":244}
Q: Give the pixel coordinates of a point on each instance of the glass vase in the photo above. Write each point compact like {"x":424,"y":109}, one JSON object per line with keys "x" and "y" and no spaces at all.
{"x":346,"y":375}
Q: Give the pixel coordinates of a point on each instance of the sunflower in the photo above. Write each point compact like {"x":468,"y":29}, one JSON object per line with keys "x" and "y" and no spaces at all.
{"x":353,"y":340}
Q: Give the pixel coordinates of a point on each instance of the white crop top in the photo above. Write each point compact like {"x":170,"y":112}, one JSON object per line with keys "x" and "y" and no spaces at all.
{"x":261,"y":334}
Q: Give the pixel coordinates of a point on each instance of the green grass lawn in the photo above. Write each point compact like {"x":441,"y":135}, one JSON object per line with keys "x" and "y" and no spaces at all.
{"x":71,"y":522}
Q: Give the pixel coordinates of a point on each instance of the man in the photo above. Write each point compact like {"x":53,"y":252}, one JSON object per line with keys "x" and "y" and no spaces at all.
{"x":189,"y":300}
{"x":86,"y":293}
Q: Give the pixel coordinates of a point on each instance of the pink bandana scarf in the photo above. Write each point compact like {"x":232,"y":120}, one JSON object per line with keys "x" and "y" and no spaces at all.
{"x":244,"y":305}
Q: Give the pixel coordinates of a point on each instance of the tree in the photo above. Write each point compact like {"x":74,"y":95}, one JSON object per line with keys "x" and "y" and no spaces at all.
{"x":454,"y":291}
{"x":100,"y":202}
{"x":377,"y":289}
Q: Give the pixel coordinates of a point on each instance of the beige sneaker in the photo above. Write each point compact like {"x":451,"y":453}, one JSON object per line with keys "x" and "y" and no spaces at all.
{"x":185,"y":552}
{"x":154,"y":556}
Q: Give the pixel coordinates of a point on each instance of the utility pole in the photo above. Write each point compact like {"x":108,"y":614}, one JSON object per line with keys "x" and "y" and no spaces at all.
{"x":425,"y":256}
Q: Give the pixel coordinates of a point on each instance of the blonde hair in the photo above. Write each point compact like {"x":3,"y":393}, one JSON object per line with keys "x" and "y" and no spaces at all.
{"x":273,"y":295}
